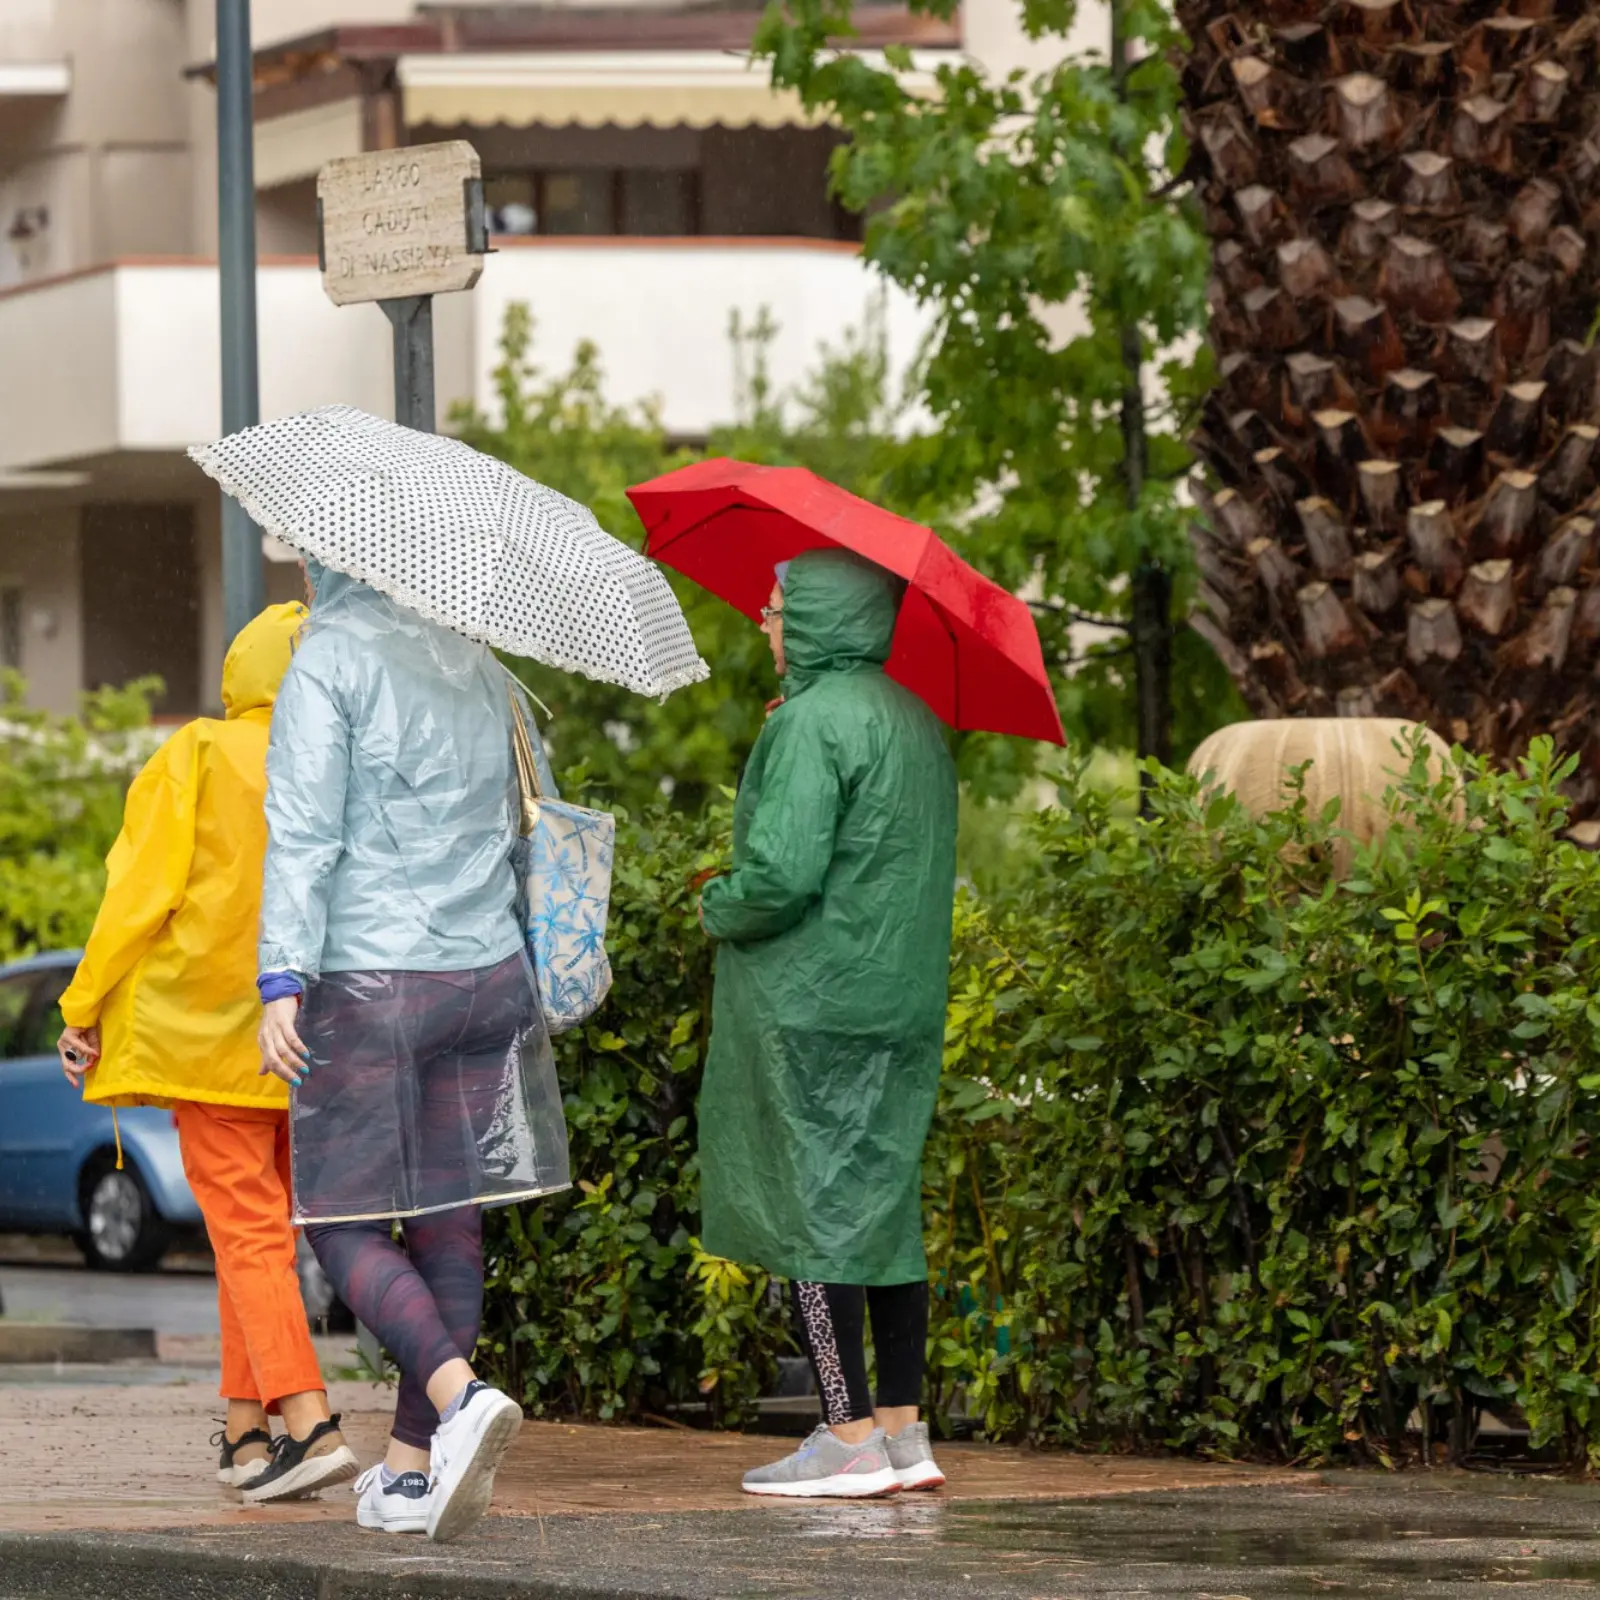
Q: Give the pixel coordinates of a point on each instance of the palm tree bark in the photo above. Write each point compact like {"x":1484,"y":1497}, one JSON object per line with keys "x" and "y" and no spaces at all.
{"x":1406,"y":242}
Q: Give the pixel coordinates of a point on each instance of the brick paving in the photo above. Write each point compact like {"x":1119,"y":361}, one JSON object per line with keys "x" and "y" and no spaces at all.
{"x":108,"y":1458}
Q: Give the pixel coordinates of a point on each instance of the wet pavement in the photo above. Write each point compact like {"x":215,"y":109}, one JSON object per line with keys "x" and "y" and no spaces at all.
{"x":136,"y":1458}
{"x":1444,"y":1536}
{"x":178,"y":1303}
{"x":109,"y":1491}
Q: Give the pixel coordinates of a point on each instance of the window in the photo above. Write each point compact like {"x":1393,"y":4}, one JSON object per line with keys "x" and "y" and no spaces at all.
{"x":11,"y":630}
{"x":41,"y":1027}
{"x":643,"y":202}
{"x":15,"y":993}
{"x":511,"y":202}
{"x":578,"y":202}
{"x":659,"y":205}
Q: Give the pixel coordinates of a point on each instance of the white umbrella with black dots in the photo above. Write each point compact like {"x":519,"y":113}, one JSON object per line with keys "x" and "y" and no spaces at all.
{"x":463,"y":540}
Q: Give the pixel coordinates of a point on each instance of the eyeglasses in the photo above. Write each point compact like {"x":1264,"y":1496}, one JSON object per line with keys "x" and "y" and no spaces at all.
{"x":770,"y":614}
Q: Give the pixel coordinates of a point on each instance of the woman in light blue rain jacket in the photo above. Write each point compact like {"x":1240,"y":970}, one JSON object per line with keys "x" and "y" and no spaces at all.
{"x":424,"y":1088}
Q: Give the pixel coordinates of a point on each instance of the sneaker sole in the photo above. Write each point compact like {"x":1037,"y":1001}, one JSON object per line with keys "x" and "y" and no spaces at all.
{"x":377,"y":1524}
{"x":925,"y":1475}
{"x":454,"y":1513}
{"x":241,"y":1477}
{"x":313,"y":1474}
{"x":862,"y":1486}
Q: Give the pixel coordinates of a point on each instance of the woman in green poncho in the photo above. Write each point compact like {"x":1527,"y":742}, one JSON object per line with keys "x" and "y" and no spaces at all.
{"x":828,"y":1020}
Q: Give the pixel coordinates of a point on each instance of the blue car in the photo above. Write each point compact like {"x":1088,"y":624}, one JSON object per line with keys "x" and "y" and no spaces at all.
{"x":58,"y":1160}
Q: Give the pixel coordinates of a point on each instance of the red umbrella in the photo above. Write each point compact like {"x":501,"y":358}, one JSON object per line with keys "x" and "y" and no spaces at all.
{"x":962,"y":644}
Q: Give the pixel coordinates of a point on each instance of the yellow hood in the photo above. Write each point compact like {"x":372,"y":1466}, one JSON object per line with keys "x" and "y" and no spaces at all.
{"x":259,"y":657}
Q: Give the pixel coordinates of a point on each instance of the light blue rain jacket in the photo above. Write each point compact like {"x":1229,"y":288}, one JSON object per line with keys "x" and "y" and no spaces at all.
{"x":391,"y":796}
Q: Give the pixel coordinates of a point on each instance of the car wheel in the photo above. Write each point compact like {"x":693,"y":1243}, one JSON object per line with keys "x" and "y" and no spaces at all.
{"x":122,"y":1231}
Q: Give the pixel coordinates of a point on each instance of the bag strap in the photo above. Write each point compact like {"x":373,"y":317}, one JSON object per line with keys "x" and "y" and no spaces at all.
{"x":529,"y":789}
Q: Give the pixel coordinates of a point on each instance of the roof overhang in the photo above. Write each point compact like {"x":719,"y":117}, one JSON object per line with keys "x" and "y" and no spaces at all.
{"x":521,"y":30}
{"x":35,"y":80}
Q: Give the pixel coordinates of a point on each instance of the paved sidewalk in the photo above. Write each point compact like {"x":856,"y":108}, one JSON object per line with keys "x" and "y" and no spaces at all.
{"x":109,"y":1493}
{"x":137,"y":1457}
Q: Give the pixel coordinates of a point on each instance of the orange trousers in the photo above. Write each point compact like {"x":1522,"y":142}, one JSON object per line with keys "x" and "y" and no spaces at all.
{"x":237,"y":1161}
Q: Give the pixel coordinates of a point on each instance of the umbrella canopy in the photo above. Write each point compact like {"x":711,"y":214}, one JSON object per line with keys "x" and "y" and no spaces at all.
{"x":963,"y":644}
{"x":464,"y":540}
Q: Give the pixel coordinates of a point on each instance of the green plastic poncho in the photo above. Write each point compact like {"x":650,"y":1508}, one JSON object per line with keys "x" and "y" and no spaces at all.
{"x":828,"y":1018}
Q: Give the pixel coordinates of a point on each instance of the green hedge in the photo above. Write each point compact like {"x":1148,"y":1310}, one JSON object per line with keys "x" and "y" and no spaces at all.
{"x":62,"y":783}
{"x":1230,"y":1157}
{"x":599,"y":1302}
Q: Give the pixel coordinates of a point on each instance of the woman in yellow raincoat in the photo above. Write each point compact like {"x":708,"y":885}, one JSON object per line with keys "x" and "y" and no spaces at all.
{"x":163,"y":1011}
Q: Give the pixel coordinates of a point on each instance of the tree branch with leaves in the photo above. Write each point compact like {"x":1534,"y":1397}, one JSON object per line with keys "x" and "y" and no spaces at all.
{"x":1047,"y":225}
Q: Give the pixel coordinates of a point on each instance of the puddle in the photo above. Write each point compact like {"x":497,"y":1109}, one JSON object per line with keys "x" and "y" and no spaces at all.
{"x":1280,"y":1546}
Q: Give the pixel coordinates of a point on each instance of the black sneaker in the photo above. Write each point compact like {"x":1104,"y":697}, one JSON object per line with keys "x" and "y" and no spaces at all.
{"x":300,"y":1467}
{"x":233,"y":1473}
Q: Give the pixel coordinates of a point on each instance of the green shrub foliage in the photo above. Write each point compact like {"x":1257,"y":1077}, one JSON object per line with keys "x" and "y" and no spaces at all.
{"x":1230,"y":1156}
{"x":62,"y":782}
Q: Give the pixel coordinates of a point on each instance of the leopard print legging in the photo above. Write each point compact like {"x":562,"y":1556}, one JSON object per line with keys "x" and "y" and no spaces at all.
{"x":833,"y":1332}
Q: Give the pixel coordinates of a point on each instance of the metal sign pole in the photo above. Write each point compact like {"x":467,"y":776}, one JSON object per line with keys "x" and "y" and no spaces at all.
{"x":413,"y":360}
{"x":243,"y":583}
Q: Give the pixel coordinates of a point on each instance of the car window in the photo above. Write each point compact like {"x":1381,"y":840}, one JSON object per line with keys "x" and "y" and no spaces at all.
{"x":41,"y":1025}
{"x":15,"y":993}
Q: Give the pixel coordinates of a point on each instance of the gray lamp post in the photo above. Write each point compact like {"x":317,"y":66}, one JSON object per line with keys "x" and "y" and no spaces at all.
{"x":243,"y":587}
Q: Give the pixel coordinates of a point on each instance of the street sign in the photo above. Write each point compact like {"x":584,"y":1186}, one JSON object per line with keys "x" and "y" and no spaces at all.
{"x":399,"y":223}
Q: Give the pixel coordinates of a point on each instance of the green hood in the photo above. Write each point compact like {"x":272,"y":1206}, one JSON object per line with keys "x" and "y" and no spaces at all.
{"x":839,"y":615}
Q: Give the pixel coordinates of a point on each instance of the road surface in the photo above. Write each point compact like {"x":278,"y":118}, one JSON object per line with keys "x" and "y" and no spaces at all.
{"x":169,"y":1302}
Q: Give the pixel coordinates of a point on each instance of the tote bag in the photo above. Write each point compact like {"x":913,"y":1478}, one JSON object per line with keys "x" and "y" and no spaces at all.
{"x":569,"y":851}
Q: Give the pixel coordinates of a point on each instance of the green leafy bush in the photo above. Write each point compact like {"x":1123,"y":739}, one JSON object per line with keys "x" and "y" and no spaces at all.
{"x":599,"y":1302}
{"x":1244,"y":1159}
{"x":1230,"y":1156}
{"x":62,"y":781}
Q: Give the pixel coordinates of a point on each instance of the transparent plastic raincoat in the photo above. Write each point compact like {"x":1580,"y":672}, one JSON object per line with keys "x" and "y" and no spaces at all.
{"x":392,"y":892}
{"x":829,"y":1010}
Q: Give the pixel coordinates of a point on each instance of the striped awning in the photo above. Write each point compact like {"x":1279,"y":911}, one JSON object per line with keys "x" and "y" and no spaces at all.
{"x":594,"y":89}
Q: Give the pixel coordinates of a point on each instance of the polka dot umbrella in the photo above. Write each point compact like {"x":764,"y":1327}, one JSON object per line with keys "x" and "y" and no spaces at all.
{"x":462,"y":539}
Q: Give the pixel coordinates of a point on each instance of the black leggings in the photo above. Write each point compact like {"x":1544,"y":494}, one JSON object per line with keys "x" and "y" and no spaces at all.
{"x":423,"y":1299}
{"x":833,"y":1330}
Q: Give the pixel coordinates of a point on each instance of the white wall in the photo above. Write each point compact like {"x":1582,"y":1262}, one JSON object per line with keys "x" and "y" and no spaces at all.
{"x":659,"y":314}
{"x":30,"y":30}
{"x":992,"y":33}
{"x":127,"y":359}
{"x":59,"y":398}
{"x":272,"y":21}
{"x":169,"y":347}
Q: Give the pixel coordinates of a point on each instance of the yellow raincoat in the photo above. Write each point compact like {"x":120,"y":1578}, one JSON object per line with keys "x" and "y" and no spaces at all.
{"x":169,"y":972}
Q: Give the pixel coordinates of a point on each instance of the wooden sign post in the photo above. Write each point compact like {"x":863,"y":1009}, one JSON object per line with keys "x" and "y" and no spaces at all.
{"x":398,"y":227}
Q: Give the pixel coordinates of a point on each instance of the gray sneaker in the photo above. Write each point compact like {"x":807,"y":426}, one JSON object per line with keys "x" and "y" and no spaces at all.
{"x":911,"y":1456}
{"x":826,"y":1468}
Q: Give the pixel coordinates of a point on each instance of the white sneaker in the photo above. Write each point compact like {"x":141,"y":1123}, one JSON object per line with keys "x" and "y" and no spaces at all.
{"x":466,"y":1451}
{"x":400,"y":1508}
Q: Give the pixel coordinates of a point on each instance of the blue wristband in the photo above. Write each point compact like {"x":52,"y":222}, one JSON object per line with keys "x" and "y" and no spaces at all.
{"x":278,"y":986}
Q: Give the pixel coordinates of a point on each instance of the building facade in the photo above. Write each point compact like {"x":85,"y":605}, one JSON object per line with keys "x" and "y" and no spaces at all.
{"x":645,"y":184}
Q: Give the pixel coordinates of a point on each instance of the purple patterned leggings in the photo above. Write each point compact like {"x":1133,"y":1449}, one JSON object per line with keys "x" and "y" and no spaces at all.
{"x":423,"y":1300}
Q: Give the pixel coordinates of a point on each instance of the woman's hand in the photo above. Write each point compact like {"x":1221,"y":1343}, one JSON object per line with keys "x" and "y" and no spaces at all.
{"x":79,"y":1049}
{"x":282,"y":1052}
